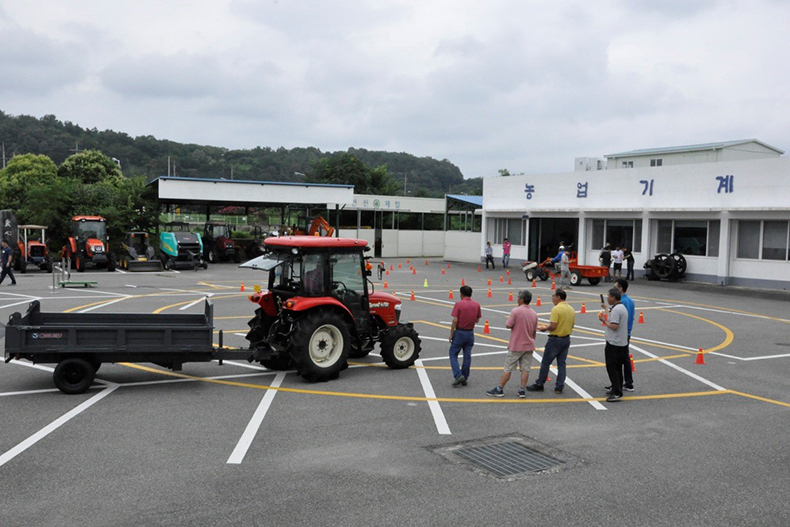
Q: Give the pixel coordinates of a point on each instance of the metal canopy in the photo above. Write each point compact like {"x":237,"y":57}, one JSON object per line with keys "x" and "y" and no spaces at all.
{"x":197,"y":191}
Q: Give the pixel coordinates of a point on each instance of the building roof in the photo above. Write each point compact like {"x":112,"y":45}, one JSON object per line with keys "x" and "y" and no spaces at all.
{"x":472,"y":200}
{"x":691,"y":148}
{"x":248,"y":182}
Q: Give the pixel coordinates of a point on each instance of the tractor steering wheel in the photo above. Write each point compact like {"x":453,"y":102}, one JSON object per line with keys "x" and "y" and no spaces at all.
{"x":340,"y":288}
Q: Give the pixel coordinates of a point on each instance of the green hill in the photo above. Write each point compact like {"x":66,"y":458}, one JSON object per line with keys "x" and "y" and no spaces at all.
{"x":148,"y":156}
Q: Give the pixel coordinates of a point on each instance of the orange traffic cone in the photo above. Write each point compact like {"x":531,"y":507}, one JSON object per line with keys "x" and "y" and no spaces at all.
{"x":450,"y":296}
{"x":489,"y":282}
{"x":700,"y":357}
{"x":391,"y":269}
{"x":463,"y":282}
{"x":510,"y":296}
{"x":442,"y":270}
{"x":242,"y":287}
{"x":507,"y":272}
{"x":387,"y":272}
{"x":479,"y":270}
{"x":413,"y":271}
{"x":509,"y":280}
{"x":584,"y":308}
{"x":400,"y":266}
{"x":489,"y":292}
{"x":633,"y":367}
{"x":538,"y":302}
{"x":486,"y":329}
{"x":412,"y":295}
{"x":501,"y":279}
{"x":534,"y":283}
{"x":553,"y":285}
{"x":385,"y":285}
{"x":641,"y":317}
{"x":448,"y":266}
{"x":426,"y":262}
{"x":408,"y":261}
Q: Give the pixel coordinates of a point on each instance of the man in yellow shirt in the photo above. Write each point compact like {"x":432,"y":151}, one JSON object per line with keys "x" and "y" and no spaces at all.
{"x":560,"y":327}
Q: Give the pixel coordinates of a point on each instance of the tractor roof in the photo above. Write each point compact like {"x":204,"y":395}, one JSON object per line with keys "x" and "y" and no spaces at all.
{"x":314,"y":241}
{"x":87,"y":218}
{"x":37,"y":227}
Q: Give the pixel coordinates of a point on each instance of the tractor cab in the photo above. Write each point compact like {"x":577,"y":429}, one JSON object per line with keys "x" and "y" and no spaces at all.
{"x":318,"y":309}
{"x":88,"y":243}
{"x":217,"y":243}
{"x":33,"y":248}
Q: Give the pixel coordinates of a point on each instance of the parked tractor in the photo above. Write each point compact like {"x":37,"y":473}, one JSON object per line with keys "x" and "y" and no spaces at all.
{"x":33,"y":251}
{"x":217,"y":243}
{"x":137,"y":254}
{"x":181,"y":249}
{"x":88,"y":244}
{"x":319,"y":309}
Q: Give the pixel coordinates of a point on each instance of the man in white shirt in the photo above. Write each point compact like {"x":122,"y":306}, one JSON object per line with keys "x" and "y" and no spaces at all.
{"x":617,"y":258}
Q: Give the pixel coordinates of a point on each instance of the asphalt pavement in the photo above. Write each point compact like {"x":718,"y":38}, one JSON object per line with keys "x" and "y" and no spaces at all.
{"x":236,"y":444}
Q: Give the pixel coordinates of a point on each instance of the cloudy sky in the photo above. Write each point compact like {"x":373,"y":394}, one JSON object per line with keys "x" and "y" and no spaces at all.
{"x":524,"y":85}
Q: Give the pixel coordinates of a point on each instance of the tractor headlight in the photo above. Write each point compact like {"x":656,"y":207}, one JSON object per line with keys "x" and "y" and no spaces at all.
{"x":398,"y":307}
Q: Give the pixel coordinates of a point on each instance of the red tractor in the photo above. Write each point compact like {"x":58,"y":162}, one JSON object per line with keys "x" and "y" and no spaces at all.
{"x":319,"y":309}
{"x":88,"y":244}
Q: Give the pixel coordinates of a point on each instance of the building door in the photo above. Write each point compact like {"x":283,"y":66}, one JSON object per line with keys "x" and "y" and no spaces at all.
{"x":378,"y":223}
{"x":546,"y":234}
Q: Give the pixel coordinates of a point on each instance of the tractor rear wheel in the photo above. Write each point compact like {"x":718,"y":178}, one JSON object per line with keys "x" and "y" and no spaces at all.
{"x":320,"y":345}
{"x":576,"y":278}
{"x":111,"y":263}
{"x":530,"y":274}
{"x":401,"y":347}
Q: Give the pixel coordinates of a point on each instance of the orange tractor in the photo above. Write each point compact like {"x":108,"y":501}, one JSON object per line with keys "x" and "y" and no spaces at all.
{"x":33,"y":251}
{"x":88,"y":244}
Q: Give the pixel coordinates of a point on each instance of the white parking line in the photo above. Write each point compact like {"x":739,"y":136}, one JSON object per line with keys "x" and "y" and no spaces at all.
{"x":54,"y":425}
{"x":19,"y":303}
{"x":436,"y":410}
{"x":199,"y":300}
{"x":682,"y":370}
{"x":252,"y":427}
{"x":103,"y":305}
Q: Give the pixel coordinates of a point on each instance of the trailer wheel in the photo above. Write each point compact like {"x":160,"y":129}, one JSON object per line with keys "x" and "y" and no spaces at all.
{"x":530,"y":274}
{"x":111,"y":263}
{"x":594,"y":281}
{"x":320,"y":346}
{"x":401,"y":347}
{"x":74,"y":375}
{"x":576,"y":278}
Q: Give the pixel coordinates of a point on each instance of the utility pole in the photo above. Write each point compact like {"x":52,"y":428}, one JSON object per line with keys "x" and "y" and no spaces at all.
{"x":404,"y":183}
{"x":3,"y":154}
{"x":168,"y":166}
{"x":76,"y":148}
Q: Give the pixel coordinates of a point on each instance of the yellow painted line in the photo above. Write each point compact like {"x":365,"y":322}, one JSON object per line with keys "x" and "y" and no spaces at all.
{"x":212,"y":285}
{"x":758,"y":398}
{"x":412,"y":398}
{"x":727,"y":331}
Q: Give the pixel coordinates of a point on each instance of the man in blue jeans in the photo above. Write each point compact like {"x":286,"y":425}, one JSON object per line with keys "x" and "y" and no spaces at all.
{"x":466,"y":313}
{"x":560,"y":327}
{"x":7,"y":263}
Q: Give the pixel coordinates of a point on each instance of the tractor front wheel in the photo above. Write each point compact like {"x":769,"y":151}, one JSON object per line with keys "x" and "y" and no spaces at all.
{"x":401,"y":347}
{"x":320,"y":346}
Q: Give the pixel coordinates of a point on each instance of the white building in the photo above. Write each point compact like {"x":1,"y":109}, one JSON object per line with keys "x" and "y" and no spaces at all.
{"x":725,"y":206}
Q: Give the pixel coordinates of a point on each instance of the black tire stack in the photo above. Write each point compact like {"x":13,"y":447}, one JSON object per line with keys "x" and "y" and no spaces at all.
{"x":671,"y":267}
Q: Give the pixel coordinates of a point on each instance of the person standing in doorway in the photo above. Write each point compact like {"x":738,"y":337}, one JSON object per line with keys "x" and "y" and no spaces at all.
{"x":523,"y":324}
{"x":616,"y":350}
{"x":490,"y":255}
{"x":606,"y":261}
{"x":7,"y":263}
{"x":506,"y":253}
{"x":629,"y":262}
{"x":466,"y":313}
{"x":560,"y":327}
{"x":617,"y":259}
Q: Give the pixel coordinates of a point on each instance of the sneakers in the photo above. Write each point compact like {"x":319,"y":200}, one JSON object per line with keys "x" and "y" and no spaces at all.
{"x":613,"y":398}
{"x":558,"y":390}
{"x":459,"y":381}
{"x":522,"y":393}
{"x":495,"y":392}
{"x":12,"y":283}
{"x":535,"y":387}
{"x":628,"y":387}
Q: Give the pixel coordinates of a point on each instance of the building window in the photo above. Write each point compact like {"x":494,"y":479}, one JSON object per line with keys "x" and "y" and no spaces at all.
{"x":628,"y":164}
{"x":433,"y":222}
{"x":515,"y":229}
{"x":501,"y":228}
{"x":617,"y":233}
{"x":692,"y":238}
{"x":763,"y":240}
{"x":656,"y":162}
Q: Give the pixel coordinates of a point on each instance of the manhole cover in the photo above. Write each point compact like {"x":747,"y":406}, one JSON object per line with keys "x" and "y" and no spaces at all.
{"x":507,"y":459}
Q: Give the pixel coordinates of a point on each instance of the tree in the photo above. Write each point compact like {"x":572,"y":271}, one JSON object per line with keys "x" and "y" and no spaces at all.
{"x":89,"y":166}
{"x":347,"y":169}
{"x":23,"y":174}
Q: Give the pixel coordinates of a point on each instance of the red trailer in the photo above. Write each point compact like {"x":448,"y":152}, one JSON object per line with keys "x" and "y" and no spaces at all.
{"x":546,"y":270}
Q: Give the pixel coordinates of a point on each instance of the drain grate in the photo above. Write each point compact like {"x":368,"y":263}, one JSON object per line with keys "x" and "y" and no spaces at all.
{"x":507,"y":459}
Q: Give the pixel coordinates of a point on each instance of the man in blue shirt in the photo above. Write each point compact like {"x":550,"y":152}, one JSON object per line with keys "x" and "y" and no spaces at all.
{"x":628,"y":302}
{"x":7,"y":262}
